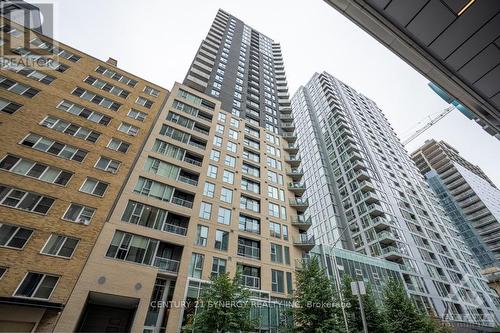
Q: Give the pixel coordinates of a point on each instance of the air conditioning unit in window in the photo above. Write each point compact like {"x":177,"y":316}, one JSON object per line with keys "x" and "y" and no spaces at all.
{"x":84,"y":221}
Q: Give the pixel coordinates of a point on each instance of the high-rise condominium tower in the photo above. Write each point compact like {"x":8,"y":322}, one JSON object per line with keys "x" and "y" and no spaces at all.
{"x":69,"y":135}
{"x":244,"y":70}
{"x":216,"y":189}
{"x":469,"y":196}
{"x":363,"y":187}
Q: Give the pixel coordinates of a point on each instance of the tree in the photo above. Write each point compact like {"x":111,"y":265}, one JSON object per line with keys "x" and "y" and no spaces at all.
{"x":316,"y":309}
{"x":401,"y":313}
{"x":223,"y":307}
{"x":375,"y":319}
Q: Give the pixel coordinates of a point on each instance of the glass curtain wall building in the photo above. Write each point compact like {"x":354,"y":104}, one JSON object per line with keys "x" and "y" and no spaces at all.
{"x":382,"y":205}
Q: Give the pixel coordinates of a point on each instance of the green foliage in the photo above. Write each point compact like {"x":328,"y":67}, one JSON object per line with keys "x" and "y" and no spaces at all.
{"x":375,"y":319}
{"x":223,"y":307}
{"x":401,"y":313}
{"x":317,"y":309}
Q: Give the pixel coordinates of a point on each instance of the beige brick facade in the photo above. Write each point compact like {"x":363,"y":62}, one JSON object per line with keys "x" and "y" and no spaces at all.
{"x":14,"y":128}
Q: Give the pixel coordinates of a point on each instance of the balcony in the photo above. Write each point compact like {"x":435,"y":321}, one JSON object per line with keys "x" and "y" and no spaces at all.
{"x":166,"y":265}
{"x":353,"y":157}
{"x":286,"y":117}
{"x":375,"y":210}
{"x":386,"y":237}
{"x":174,"y":229}
{"x":480,"y":214}
{"x":193,"y":159}
{"x":295,"y":173}
{"x":366,"y":186}
{"x":182,"y":202}
{"x":351,"y":147}
{"x":362,"y":175}
{"x":391,"y":253}
{"x":473,"y":208}
{"x":286,"y":110}
{"x":197,"y":144}
{"x":370,"y":197}
{"x":381,"y":223}
{"x":293,"y":160}
{"x":292,"y":148}
{"x":290,"y":137}
{"x":342,"y":123}
{"x":252,"y":282}
{"x":288,"y":127}
{"x":305,"y":241}
{"x":299,"y":204}
{"x":248,"y":251}
{"x":301,"y":222}
{"x":358,"y":165}
{"x":297,"y":188}
{"x":188,"y":178}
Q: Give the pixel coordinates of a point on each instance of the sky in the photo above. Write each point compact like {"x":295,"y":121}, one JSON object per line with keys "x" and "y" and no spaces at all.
{"x":157,"y":40}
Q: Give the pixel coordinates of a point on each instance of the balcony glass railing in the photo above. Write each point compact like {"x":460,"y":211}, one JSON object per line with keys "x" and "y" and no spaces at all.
{"x":175,"y":229}
{"x":182,"y":202}
{"x":248,"y":251}
{"x":250,"y":281}
{"x":166,"y":265}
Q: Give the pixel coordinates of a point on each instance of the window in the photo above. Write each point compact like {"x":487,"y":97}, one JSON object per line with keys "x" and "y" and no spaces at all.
{"x":221,"y":240}
{"x":224,"y":216}
{"x":70,"y":129}
{"x":212,"y":171}
{"x":103,"y":85}
{"x":209,"y":190}
{"x":248,"y":248}
{"x":274,"y":177}
{"x":151,"y":91}
{"x":230,"y":161}
{"x":154,"y":189}
{"x":29,"y":201}
{"x":215,"y":93}
{"x":128,"y":129}
{"x":60,"y":246}
{"x":107,"y":164}
{"x":118,"y":145}
{"x":168,"y":149}
{"x":218,"y":266}
{"x":2,"y":271}
{"x":53,"y":147}
{"x":232,"y":147}
{"x":83,"y":112}
{"x":226,"y":195}
{"x":217,"y":141}
{"x":277,"y":281}
{"x":233,"y":134}
{"x":96,"y":99}
{"x":29,"y":168}
{"x":144,"y":102}
{"x":196,"y":265}
{"x":37,"y":285}
{"x":8,"y":106}
{"x":161,"y":168}
{"x":18,"y":88}
{"x":221,"y":117}
{"x":133,"y":248}
{"x":215,"y":155}
{"x":251,"y":156}
{"x":285,"y":232}
{"x":228,"y":177}
{"x":205,"y":210}
{"x":13,"y":236}
{"x":219,"y":128}
{"x":137,"y":115}
{"x":249,"y":224}
{"x":276,"y":253}
{"x":251,"y":170}
{"x":274,"y":210}
{"x":273,"y":192}
{"x":235,"y":123}
{"x":287,"y":255}
{"x":115,"y":76}
{"x":250,"y":186}
{"x":94,"y":187}
{"x":275,"y":229}
{"x":79,"y":214}
{"x":201,"y":235}
{"x":250,"y":204}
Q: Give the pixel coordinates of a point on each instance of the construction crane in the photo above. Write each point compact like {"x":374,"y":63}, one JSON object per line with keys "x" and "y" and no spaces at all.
{"x":431,"y":122}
